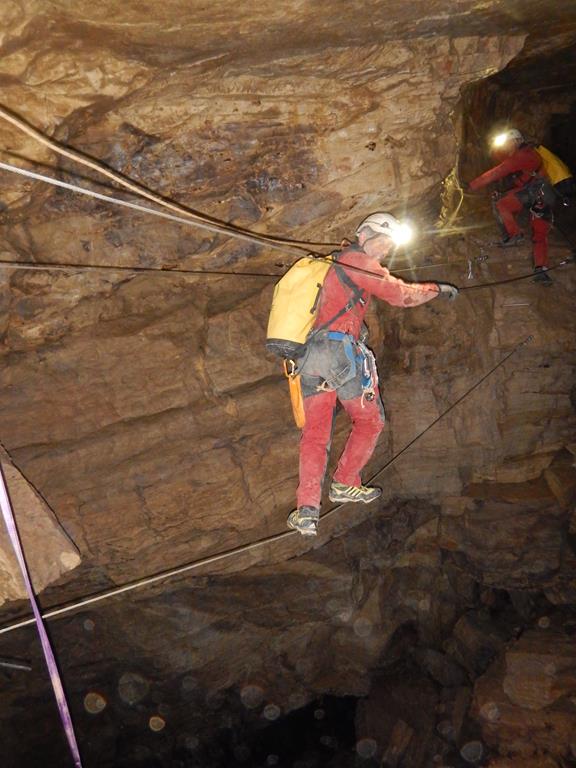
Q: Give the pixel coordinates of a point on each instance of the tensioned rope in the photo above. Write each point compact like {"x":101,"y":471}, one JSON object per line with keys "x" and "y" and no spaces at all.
{"x":171,"y":217}
{"x":79,"y":157}
{"x":163,"y":575}
{"x":189,"y":222}
{"x":190,"y":218}
{"x":201,"y":224}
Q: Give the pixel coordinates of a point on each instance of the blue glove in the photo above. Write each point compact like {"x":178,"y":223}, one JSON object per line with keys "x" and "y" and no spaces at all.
{"x":447,"y":291}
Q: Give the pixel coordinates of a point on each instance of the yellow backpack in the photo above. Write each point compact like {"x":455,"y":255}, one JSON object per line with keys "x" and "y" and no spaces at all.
{"x":295,"y":304}
{"x":552,"y":166}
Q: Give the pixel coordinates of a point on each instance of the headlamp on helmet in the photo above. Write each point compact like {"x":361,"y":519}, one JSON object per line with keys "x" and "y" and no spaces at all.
{"x":386,"y":224}
{"x":512,"y":134}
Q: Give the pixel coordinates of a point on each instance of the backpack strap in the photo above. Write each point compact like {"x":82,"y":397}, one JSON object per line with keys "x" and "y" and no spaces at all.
{"x":357,"y":297}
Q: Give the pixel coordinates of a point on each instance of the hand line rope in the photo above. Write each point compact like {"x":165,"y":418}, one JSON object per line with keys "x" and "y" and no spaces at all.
{"x":99,"y":167}
{"x":171,"y":217}
{"x":45,"y":266}
{"x":142,"y":208}
{"x":526,"y":341}
{"x":562,"y":263}
{"x":180,"y":271}
{"x":147,"y":581}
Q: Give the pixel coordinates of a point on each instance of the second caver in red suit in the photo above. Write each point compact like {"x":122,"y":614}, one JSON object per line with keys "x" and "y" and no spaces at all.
{"x":338,"y":367}
{"x":530,"y":190}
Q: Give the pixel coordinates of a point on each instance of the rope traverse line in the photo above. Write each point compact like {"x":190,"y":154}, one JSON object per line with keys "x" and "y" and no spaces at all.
{"x":55,"y":266}
{"x":562,"y":263}
{"x":142,"y":208}
{"x":99,"y":167}
{"x":526,"y":341}
{"x":116,"y":201}
{"x":171,"y":217}
{"x":148,"y":580}
{"x":180,"y":220}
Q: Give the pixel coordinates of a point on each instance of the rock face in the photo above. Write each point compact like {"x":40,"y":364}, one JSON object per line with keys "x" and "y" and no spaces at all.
{"x":143,"y":408}
{"x":525,"y":702}
{"x":49,"y":551}
{"x":150,"y":442}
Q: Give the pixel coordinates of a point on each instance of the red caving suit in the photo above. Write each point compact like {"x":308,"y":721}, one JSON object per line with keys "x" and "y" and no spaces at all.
{"x":526,"y":163}
{"x":328,"y":362}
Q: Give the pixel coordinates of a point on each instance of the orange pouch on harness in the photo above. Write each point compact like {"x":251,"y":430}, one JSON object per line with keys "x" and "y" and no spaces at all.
{"x":295,"y":386}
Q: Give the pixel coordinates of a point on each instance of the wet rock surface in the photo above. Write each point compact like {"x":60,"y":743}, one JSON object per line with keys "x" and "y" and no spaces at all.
{"x":435,"y":628}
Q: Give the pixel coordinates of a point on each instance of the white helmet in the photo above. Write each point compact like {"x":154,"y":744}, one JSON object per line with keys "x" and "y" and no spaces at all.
{"x":512,"y":134}
{"x":386,"y":224}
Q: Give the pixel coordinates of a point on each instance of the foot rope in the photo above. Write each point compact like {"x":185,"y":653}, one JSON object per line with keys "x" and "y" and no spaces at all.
{"x":161,"y":576}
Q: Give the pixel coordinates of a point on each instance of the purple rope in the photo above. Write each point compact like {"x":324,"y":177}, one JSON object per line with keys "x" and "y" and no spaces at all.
{"x":55,"y":679}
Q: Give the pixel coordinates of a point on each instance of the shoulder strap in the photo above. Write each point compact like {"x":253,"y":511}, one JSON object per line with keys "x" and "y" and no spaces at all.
{"x":356,"y":298}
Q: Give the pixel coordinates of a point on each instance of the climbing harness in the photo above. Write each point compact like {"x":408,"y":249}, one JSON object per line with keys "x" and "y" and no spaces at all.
{"x":55,"y":679}
{"x":360,"y":358}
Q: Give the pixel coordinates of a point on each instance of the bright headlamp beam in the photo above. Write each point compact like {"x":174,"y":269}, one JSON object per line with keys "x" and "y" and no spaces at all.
{"x":402,"y":235}
{"x":500,"y":140}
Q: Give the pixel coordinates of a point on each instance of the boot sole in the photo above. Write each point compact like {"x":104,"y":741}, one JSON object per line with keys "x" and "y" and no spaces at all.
{"x":303,"y":531}
{"x":345,"y":499}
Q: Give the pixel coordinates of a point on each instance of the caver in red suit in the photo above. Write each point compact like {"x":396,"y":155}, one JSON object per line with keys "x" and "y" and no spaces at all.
{"x":339,"y":367}
{"x":530,"y":191}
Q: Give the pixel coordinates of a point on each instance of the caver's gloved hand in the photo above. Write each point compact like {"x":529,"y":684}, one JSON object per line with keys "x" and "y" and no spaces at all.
{"x":447,"y":291}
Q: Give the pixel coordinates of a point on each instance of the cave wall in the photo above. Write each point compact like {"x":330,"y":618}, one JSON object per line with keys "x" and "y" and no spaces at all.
{"x":136,"y":370}
{"x":145,"y":411}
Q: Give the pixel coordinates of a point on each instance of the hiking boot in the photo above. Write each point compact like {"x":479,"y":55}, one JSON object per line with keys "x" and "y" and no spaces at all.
{"x":364,"y":493}
{"x":510,"y":241}
{"x":540,"y":276}
{"x":305,"y":520}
